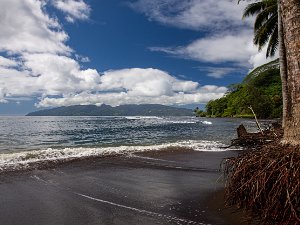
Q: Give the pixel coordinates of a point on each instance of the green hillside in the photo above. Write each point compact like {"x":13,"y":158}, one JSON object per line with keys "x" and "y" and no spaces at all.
{"x":260,"y":89}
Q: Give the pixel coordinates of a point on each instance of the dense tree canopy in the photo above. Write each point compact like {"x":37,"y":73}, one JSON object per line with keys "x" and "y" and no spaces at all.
{"x":261,"y":89}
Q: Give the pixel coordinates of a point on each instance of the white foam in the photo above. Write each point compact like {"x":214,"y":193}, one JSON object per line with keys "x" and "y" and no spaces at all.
{"x":142,"y":117}
{"x":206,"y":122}
{"x":165,"y":120}
{"x":181,"y":121}
{"x":27,"y":158}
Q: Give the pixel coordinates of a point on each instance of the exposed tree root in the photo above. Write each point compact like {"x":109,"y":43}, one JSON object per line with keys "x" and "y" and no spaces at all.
{"x":266,"y":180}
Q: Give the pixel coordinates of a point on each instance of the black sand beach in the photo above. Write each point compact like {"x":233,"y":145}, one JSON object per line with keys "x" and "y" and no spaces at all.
{"x":149,"y":188}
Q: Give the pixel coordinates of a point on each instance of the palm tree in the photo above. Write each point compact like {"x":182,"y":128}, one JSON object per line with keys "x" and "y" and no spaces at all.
{"x":278,"y":24}
{"x":290,"y":18}
{"x":268,"y":30}
{"x":266,"y":24}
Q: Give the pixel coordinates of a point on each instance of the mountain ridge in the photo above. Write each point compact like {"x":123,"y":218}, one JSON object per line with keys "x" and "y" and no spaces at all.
{"x":107,"y":110}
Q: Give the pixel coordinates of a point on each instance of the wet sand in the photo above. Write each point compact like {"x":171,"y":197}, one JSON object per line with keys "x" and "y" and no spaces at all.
{"x":145,"y":189}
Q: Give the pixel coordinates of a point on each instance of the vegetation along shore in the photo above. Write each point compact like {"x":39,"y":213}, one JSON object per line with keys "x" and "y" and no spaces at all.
{"x":260,"y":89}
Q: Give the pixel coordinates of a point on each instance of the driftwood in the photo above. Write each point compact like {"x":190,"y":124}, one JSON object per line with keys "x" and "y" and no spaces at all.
{"x":256,"y":121}
{"x":255,"y":140}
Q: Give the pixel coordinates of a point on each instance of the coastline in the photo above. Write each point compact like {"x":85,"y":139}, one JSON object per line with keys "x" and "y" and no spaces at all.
{"x":165,"y":187}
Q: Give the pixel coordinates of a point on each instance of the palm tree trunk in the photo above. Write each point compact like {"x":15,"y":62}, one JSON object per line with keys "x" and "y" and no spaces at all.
{"x":283,"y":65}
{"x":290,"y":15}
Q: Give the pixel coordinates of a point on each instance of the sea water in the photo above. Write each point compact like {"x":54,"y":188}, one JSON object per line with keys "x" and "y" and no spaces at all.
{"x":25,"y":140}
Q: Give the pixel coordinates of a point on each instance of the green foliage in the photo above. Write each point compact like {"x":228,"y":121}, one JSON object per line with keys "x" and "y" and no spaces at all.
{"x":262,"y":91}
{"x":199,"y":113}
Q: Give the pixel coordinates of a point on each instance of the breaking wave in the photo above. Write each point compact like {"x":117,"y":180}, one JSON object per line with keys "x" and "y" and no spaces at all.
{"x":169,"y":120}
{"x":33,"y":159}
{"x":206,"y":122}
{"x":142,"y":117}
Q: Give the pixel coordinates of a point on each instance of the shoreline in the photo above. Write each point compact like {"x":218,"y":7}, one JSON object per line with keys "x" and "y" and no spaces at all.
{"x":49,"y":158}
{"x":166,"y":187}
{"x":57,"y":162}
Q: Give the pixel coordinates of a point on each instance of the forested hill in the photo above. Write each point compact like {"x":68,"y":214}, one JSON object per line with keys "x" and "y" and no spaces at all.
{"x":260,"y":89}
{"x":106,"y":110}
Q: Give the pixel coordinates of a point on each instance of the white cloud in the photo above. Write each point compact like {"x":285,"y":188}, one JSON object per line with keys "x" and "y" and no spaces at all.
{"x":237,"y":48}
{"x":5,"y":62}
{"x":2,"y":95}
{"x":60,"y":76}
{"x":120,"y":98}
{"x":193,"y":14}
{"x":218,"y":72}
{"x":215,"y":49}
{"x":140,"y":86}
{"x":25,"y":27}
{"x":145,"y":82}
{"x":74,"y":9}
{"x":38,"y":63}
{"x":81,"y":58}
{"x":259,"y":58}
{"x":229,"y":39}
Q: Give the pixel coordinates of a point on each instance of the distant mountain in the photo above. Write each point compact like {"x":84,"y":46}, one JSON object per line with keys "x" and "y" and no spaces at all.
{"x":106,"y":110}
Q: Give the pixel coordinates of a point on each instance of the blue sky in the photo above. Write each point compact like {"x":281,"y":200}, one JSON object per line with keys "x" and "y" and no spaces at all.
{"x":67,"y":52}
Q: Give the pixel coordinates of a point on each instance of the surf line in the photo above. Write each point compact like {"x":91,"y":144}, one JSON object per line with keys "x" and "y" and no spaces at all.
{"x":185,"y":221}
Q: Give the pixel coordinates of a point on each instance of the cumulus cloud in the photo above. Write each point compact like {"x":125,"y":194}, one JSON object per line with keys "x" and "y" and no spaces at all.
{"x":121,"y":98}
{"x":74,"y":9}
{"x":38,"y":63}
{"x":58,"y":75}
{"x":145,"y":82}
{"x":5,"y":62}
{"x":26,"y":28}
{"x":140,"y":86}
{"x":62,"y":79}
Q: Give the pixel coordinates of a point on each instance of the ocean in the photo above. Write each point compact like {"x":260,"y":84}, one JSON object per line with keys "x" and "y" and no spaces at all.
{"x":28,"y":140}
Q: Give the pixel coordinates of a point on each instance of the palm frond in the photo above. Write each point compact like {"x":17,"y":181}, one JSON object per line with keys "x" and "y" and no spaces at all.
{"x":267,"y":14}
{"x":263,"y":34}
{"x":254,"y":8}
{"x":266,"y":24}
{"x":273,"y":44}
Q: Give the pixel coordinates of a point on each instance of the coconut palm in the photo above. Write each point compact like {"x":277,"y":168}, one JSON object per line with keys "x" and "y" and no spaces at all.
{"x":279,"y":26}
{"x":290,"y":17}
{"x":268,"y":30}
{"x":266,"y":24}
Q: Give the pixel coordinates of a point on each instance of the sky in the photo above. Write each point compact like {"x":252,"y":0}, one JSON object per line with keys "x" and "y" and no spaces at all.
{"x":78,"y":52}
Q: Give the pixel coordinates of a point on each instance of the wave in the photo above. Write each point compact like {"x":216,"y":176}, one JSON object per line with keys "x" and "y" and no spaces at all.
{"x":142,"y":117}
{"x":160,"y":120}
{"x":163,"y":120}
{"x":206,"y":122}
{"x":33,"y":159}
{"x":181,"y":122}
